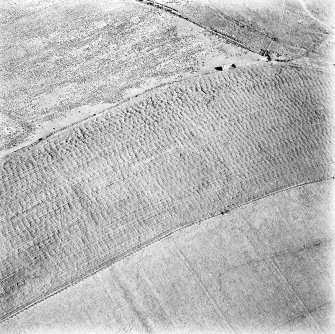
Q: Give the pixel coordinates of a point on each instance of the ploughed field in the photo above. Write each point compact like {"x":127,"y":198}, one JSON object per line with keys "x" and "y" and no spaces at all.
{"x":91,"y":194}
{"x":264,"y":265}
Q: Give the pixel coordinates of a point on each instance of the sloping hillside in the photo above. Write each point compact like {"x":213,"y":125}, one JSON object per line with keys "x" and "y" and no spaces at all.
{"x":264,"y":267}
{"x":78,"y":201}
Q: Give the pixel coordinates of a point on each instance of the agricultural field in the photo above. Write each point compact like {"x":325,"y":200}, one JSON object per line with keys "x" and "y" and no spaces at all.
{"x":104,"y":188}
{"x":166,"y":166}
{"x":66,"y":62}
{"x":288,"y":29}
{"x":230,"y":272}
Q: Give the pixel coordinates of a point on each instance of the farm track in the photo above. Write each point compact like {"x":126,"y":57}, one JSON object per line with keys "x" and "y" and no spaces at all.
{"x":236,"y":33}
{"x":95,"y":192}
{"x":229,"y":39}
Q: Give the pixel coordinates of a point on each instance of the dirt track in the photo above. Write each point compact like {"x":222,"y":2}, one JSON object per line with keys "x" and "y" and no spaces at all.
{"x":81,"y":199}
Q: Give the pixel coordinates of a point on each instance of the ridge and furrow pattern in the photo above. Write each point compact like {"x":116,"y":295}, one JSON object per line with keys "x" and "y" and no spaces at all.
{"x":77,"y":201}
